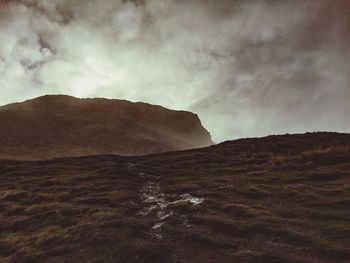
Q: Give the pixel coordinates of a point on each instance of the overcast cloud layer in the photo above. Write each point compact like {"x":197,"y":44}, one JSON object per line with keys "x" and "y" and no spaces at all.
{"x":248,"y":67}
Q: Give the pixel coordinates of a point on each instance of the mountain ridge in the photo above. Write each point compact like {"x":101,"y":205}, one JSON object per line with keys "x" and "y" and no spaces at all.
{"x":62,"y":124}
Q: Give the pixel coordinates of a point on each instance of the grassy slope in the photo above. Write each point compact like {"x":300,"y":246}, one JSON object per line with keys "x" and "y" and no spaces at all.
{"x":275,"y":199}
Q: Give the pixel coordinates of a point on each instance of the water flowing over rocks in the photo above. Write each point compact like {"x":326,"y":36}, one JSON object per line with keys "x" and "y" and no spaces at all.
{"x":157,"y":202}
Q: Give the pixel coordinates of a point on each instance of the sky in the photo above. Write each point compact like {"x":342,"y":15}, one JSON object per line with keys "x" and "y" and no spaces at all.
{"x":246,"y":67}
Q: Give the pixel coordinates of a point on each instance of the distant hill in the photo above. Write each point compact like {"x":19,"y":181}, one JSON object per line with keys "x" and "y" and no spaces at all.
{"x":57,"y":125}
{"x":269,"y":200}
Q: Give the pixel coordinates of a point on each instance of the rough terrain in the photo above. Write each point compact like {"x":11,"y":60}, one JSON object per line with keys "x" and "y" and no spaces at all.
{"x":274,"y":199}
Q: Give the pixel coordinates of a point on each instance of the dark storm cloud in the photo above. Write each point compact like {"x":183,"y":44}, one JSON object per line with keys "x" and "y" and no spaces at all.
{"x":248,"y":67}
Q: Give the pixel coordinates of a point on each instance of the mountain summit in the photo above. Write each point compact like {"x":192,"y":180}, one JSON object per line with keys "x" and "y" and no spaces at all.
{"x":63,"y":126}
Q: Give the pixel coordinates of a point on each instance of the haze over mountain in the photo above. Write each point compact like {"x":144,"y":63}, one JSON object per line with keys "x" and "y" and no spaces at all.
{"x":109,"y":176}
{"x":63,"y":126}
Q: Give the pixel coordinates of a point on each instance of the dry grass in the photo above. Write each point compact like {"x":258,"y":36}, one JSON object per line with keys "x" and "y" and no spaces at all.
{"x":292,"y":207}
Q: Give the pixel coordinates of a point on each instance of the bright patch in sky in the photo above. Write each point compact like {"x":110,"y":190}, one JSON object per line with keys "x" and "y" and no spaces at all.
{"x":248,"y":68}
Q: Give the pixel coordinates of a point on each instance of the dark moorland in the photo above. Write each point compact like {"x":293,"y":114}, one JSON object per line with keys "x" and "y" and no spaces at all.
{"x":274,"y":199}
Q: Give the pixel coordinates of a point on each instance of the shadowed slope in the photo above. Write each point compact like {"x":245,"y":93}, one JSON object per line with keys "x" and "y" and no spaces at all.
{"x":274,"y":199}
{"x":57,"y":126}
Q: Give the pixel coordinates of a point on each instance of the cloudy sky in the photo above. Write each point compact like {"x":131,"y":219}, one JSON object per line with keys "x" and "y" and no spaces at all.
{"x":247,"y":67}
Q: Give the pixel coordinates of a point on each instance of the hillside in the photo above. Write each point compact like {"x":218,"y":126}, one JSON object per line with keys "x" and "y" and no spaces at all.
{"x":57,"y":126}
{"x":274,"y":199}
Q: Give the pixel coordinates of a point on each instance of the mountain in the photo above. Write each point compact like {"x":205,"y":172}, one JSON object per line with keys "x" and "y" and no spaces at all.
{"x":57,"y":126}
{"x":274,"y":199}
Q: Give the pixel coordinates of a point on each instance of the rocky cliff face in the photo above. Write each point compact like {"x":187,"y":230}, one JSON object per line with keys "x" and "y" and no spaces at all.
{"x":63,"y":126}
